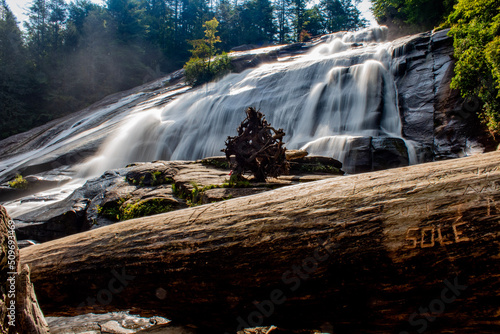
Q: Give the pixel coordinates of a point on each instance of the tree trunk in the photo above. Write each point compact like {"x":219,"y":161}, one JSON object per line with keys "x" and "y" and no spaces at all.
{"x":406,"y":249}
{"x":19,"y":310}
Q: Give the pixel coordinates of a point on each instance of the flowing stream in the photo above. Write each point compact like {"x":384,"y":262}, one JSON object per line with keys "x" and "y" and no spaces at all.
{"x":341,"y":89}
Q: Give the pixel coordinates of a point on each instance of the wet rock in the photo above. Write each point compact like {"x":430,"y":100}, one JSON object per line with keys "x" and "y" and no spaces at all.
{"x":53,"y":221}
{"x":247,"y":61}
{"x":217,"y":161}
{"x":8,"y":193}
{"x":388,"y":153}
{"x":144,"y":189}
{"x":316,"y":159}
{"x":113,"y":327}
{"x":434,"y":116}
{"x":358,"y":158}
{"x":295,"y":154}
{"x":34,"y":183}
{"x":113,"y":322}
{"x":26,"y":243}
{"x":151,"y":174}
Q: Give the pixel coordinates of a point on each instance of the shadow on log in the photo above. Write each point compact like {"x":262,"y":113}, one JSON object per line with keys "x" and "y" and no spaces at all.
{"x":403,"y":250}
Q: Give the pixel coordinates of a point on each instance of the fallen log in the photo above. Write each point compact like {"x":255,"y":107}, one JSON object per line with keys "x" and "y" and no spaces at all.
{"x":402,"y":250}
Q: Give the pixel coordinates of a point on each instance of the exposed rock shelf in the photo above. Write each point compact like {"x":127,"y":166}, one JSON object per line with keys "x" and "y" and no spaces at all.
{"x":144,"y":189}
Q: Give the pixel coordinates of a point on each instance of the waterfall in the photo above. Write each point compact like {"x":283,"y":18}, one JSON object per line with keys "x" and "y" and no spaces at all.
{"x":341,"y":89}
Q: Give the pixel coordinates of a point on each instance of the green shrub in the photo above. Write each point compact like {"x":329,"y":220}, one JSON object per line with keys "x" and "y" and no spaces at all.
{"x":475,"y":27}
{"x":19,"y":182}
{"x":147,"y":207}
{"x":119,"y":211}
{"x":205,"y":65}
{"x":199,"y":71}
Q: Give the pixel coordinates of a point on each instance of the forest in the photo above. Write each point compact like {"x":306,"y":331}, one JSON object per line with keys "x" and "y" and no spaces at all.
{"x":70,"y":55}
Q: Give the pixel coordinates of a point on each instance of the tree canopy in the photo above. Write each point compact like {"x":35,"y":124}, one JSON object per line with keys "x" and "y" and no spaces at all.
{"x":416,"y":15}
{"x":475,"y":26}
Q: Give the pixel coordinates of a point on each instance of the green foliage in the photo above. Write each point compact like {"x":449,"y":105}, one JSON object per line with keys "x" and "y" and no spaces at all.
{"x":146,"y":207}
{"x":341,"y":15}
{"x":18,"y":95}
{"x":149,"y":179}
{"x":216,"y":163}
{"x":256,"y":20}
{"x":122,"y":210}
{"x":236,"y":182}
{"x":19,"y":182}
{"x":416,"y":15}
{"x":475,"y":27}
{"x":204,"y":64}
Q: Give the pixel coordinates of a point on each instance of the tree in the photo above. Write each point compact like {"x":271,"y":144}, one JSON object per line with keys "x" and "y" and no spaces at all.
{"x":283,"y":18}
{"x":475,"y":27}
{"x":369,"y":253}
{"x":15,"y":82}
{"x":299,"y":11}
{"x":57,"y":17}
{"x":229,"y":23}
{"x":129,"y":19}
{"x":314,"y":23}
{"x":37,"y":28}
{"x":204,"y":65}
{"x":341,"y":15}
{"x":257,"y":22}
{"x":416,"y":15}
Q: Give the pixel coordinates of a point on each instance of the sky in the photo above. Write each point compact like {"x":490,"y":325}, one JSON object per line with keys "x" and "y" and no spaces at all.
{"x":20,"y":7}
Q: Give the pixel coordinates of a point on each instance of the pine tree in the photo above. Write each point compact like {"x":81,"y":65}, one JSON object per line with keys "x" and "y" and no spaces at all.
{"x":15,"y":92}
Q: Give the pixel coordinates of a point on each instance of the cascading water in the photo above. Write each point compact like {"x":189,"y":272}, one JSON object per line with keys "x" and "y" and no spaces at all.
{"x":342,"y":89}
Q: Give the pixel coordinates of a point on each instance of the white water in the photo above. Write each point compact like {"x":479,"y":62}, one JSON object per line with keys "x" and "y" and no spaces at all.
{"x":322,"y":100}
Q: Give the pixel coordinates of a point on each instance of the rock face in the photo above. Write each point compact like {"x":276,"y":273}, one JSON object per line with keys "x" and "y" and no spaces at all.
{"x":436,"y":118}
{"x":19,"y":310}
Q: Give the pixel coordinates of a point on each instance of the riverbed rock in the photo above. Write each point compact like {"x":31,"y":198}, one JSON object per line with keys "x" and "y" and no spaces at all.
{"x":34,"y":184}
{"x":113,"y":322}
{"x":388,"y":153}
{"x":358,"y":158}
{"x":434,"y":116}
{"x":54,"y":221}
{"x":144,"y":189}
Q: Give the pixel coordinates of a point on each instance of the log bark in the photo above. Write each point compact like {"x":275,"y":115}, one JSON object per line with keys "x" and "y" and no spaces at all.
{"x":19,"y":309}
{"x":402,"y":250}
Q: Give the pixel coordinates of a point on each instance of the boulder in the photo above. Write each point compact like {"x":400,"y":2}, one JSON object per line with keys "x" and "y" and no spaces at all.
{"x":54,"y":221}
{"x":358,"y":158}
{"x":388,"y":153}
{"x":295,"y":154}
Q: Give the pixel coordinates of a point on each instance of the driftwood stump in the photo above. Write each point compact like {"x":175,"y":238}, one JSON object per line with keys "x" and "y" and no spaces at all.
{"x":258,"y":148}
{"x":403,"y":250}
